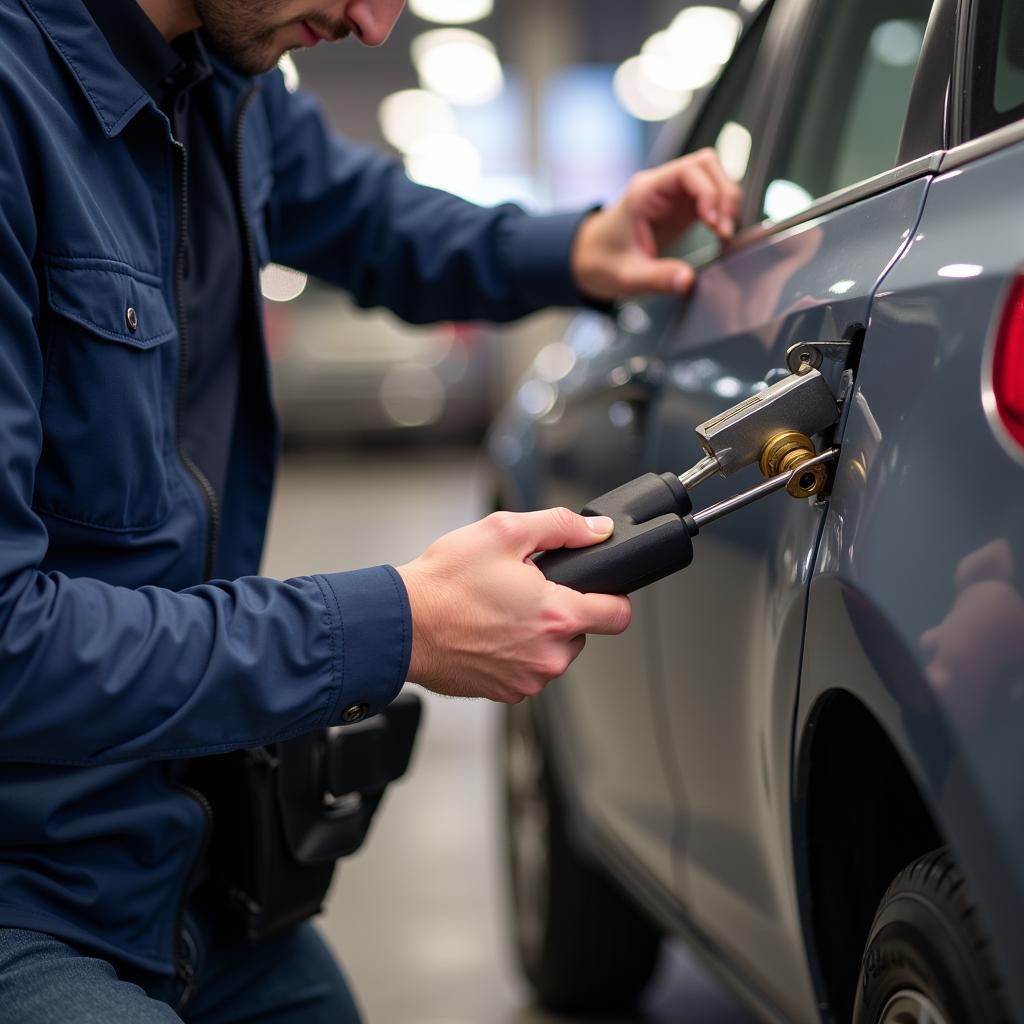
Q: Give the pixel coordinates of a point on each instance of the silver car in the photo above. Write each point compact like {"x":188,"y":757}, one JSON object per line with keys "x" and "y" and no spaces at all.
{"x":806,"y":755}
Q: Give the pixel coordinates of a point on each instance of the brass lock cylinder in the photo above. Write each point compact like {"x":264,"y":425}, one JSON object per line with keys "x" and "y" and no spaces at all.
{"x":786,"y":450}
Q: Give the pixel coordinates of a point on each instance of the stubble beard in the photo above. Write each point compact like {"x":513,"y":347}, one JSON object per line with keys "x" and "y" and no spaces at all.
{"x":243,"y":31}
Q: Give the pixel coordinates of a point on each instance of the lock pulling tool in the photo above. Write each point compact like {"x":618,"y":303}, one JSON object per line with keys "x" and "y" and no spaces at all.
{"x":654,"y":527}
{"x":653,"y":514}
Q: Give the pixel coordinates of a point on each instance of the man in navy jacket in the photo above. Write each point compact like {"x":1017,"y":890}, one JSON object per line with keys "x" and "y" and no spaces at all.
{"x":150,"y":162}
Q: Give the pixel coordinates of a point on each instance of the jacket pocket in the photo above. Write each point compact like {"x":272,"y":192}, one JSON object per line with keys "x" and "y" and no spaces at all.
{"x":107,"y":407}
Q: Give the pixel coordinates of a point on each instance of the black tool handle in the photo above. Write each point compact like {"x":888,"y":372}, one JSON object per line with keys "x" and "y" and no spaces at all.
{"x":651,"y":539}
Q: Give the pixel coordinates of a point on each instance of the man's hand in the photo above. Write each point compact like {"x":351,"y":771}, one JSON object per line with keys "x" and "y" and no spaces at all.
{"x":486,"y":623}
{"x":615,"y":253}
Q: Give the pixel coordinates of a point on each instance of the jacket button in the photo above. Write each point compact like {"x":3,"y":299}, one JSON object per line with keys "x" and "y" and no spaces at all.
{"x":354,"y":713}
{"x":132,"y":317}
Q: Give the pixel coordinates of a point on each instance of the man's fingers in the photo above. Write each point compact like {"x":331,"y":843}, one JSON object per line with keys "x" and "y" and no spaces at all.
{"x":604,"y":614}
{"x":696,"y":181}
{"x":576,"y":645}
{"x":529,"y":532}
{"x":701,"y":177}
{"x":661,"y":276}
{"x":730,"y":194}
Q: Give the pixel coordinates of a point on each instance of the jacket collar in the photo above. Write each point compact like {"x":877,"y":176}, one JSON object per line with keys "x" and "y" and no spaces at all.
{"x":113,"y":94}
{"x":137,"y":44}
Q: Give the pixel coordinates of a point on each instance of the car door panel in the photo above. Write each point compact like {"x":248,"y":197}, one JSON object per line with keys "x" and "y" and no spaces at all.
{"x":922,"y":561}
{"x":592,"y":441}
{"x":728,"y":630}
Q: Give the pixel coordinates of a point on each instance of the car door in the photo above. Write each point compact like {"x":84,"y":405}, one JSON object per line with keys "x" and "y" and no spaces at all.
{"x":924,"y":556}
{"x":593,"y":402}
{"x":727,"y":633}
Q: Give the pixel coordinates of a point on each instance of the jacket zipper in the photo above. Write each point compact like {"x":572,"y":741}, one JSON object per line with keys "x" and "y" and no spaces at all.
{"x":209,"y":496}
{"x":183,"y":969}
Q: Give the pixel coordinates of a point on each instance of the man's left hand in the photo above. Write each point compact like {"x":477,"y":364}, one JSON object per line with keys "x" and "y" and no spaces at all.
{"x":616,"y":251}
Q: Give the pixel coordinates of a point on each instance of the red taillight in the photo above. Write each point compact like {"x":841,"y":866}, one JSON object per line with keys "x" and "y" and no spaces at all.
{"x":1008,"y":364}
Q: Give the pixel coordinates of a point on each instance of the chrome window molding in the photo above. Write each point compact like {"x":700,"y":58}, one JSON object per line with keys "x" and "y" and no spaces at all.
{"x":925,"y":166}
{"x":983,"y":145}
{"x":919,"y":168}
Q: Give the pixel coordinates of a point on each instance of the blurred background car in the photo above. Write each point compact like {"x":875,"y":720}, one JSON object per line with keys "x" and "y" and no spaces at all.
{"x":804,"y":758}
{"x":342,"y":372}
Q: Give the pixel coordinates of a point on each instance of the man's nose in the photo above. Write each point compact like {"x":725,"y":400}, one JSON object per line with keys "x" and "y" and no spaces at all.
{"x":373,"y":20}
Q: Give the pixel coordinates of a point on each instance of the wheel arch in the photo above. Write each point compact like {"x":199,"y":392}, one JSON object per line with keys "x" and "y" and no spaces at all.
{"x":853,"y":783}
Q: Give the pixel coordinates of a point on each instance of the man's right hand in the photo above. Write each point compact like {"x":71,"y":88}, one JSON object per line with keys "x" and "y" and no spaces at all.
{"x":486,"y":623}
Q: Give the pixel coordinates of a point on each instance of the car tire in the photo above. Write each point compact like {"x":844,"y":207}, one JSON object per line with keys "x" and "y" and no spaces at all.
{"x":582,"y":943}
{"x":926,"y":958}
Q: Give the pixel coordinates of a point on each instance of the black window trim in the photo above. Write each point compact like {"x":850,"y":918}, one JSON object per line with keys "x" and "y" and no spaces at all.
{"x":787,"y":37}
{"x":964,"y":150}
{"x":927,"y":125}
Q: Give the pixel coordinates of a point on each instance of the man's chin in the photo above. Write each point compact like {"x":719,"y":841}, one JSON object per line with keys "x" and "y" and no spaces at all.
{"x":248,"y":60}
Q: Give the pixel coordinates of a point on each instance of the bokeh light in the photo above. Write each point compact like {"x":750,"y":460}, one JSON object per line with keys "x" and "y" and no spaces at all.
{"x":280,"y":284}
{"x":448,"y":162}
{"x":409,"y":117}
{"x":451,"y":12}
{"x":458,"y":64}
{"x":645,"y":98}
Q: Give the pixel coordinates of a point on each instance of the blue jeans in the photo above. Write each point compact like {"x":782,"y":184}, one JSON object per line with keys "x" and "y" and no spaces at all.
{"x":289,"y":979}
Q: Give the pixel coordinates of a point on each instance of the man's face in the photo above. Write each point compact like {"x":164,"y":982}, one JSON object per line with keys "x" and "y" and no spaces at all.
{"x":254,"y":33}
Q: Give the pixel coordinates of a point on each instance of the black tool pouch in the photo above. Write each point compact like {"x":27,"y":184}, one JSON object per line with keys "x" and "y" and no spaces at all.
{"x":285,"y":813}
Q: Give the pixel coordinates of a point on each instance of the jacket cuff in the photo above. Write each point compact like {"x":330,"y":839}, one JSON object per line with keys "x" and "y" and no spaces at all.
{"x":538,"y":253}
{"x":372,"y":640}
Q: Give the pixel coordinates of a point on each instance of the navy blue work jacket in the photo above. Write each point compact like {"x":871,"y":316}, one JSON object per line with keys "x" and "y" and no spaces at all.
{"x":126,"y":640}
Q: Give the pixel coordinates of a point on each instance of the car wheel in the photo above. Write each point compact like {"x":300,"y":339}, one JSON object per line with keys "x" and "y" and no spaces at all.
{"x":926,"y":959}
{"x":582,"y":943}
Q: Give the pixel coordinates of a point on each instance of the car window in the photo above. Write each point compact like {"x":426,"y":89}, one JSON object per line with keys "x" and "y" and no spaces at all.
{"x":996,"y":81}
{"x":725,"y":124}
{"x":851,"y":100}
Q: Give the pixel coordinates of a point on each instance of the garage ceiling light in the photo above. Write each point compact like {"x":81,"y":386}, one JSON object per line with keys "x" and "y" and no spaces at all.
{"x":643,"y":96}
{"x":784,"y":199}
{"x":733,"y":146}
{"x":451,"y":12}
{"x":664,"y":66}
{"x":448,"y":162}
{"x":412,"y":115}
{"x":897,"y":43}
{"x":961,"y":270}
{"x":458,"y":64}
{"x":704,"y":34}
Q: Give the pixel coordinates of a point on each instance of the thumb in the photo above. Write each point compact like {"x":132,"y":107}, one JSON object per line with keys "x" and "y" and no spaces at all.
{"x":661,"y":276}
{"x":560,"y":528}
